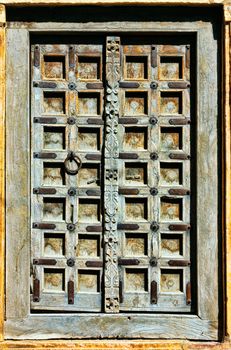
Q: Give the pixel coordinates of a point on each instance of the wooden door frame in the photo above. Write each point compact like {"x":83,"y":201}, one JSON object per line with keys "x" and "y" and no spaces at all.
{"x":226,"y":186}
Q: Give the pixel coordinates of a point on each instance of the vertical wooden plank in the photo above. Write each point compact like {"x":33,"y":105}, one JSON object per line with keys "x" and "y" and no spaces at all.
{"x":208,"y":229}
{"x":2,"y":164}
{"x":227,"y":167}
{"x":17,"y":173}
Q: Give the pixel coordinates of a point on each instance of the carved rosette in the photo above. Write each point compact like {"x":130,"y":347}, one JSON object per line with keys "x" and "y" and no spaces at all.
{"x":111,"y":175}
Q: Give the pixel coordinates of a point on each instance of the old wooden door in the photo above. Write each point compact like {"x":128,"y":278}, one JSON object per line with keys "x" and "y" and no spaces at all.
{"x":110,"y":177}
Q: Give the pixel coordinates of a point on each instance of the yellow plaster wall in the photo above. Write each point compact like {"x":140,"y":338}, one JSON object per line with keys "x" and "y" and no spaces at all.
{"x":135,"y":344}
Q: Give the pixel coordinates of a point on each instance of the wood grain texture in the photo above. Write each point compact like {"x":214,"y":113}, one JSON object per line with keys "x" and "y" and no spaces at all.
{"x":227,"y":186}
{"x":120,"y":326}
{"x":17,"y":173}
{"x":2,"y":166}
{"x":101,"y":335}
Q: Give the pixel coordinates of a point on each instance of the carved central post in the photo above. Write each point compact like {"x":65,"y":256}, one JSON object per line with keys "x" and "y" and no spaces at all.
{"x":111,"y":175}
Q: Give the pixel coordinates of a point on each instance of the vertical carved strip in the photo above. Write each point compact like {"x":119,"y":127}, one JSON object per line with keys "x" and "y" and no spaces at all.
{"x":111,"y":174}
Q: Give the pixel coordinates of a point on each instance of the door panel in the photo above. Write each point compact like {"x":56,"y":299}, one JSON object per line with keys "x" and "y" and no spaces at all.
{"x":111,"y":206}
{"x":67,"y":130}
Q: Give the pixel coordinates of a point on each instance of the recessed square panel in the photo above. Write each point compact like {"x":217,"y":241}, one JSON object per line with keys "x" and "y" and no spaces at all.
{"x":89,"y":103}
{"x":171,"y":102}
{"x":54,"y":102}
{"x":171,"y":281}
{"x":54,"y":138}
{"x":171,"y":209}
{"x":89,"y":210}
{"x":171,"y":68}
{"x":135,"y":139}
{"x":88,"y":281}
{"x":171,"y":139}
{"x":136,"y":209}
{"x":88,"y":246}
{"x":54,"y":244}
{"x":88,"y":139}
{"x":89,"y":175}
{"x":136,"y":280}
{"x":136,"y":173}
{"x":135,"y":244}
{"x":170,"y":174}
{"x":136,"y":67}
{"x":54,"y":67}
{"x":89,"y":67}
{"x":136,"y":103}
{"x":53,"y":174}
{"x":171,"y":245}
{"x":53,"y":209}
{"x":54,"y":280}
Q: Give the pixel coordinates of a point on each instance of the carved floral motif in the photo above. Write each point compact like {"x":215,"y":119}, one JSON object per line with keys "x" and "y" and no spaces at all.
{"x":111,"y":176}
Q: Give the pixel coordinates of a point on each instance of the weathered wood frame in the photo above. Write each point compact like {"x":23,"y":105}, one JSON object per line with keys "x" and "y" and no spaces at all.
{"x":20,"y":324}
{"x":225,"y":191}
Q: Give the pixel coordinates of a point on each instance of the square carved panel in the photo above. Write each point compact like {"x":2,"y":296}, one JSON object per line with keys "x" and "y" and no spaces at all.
{"x":54,"y":244}
{"x":54,"y":280}
{"x":171,"y":102}
{"x":89,"y":210}
{"x":89,"y":68}
{"x":136,"y":244}
{"x":171,"y":174}
{"x":136,"y":209}
{"x":171,"y":209}
{"x":53,"y":209}
{"x":136,"y":280}
{"x":54,"y":138}
{"x":89,"y":103}
{"x":88,"y":139}
{"x":53,"y":174}
{"x":171,"y":245}
{"x":54,"y":67}
{"x":136,"y":103}
{"x":135,"y":139}
{"x":136,"y":174}
{"x":171,"y":281}
{"x":54,"y":102}
{"x":136,"y":67}
{"x":88,"y":246}
{"x":171,"y":139}
{"x":88,"y":281}
{"x":171,"y":68}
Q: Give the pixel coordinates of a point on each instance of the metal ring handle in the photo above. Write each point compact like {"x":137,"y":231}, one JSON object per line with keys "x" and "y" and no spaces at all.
{"x":71,"y":156}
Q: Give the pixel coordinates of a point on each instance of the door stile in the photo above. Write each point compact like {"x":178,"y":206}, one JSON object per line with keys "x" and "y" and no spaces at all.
{"x":111,"y":175}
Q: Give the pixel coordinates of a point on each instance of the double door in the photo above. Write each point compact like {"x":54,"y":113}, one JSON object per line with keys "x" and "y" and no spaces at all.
{"x":110,"y":176}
